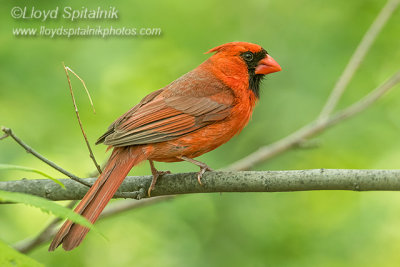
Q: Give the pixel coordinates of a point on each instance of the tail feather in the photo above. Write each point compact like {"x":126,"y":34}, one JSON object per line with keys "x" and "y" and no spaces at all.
{"x":120,"y":163}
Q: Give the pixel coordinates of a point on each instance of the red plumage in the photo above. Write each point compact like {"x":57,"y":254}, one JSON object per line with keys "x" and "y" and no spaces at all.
{"x":191,"y":116}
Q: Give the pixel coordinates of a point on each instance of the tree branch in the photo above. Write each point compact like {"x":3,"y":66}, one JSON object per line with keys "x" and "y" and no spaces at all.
{"x":248,"y":181}
{"x":8,"y":132}
{"x":358,"y":56}
{"x":313,"y":128}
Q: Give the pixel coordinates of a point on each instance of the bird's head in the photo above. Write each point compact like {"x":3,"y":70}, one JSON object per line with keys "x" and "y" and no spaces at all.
{"x":236,"y":58}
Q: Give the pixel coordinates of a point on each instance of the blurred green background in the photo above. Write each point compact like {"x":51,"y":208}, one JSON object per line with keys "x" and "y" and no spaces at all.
{"x":312,"y":40}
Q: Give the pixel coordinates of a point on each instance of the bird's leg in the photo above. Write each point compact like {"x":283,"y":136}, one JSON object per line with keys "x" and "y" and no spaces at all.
{"x":156,"y":174}
{"x":203,"y":166}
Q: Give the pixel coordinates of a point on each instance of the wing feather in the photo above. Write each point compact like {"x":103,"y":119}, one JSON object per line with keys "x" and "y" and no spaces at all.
{"x":170,"y":113}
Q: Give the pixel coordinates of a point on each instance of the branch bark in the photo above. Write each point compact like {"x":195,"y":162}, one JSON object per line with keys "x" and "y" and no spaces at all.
{"x":246,"y":181}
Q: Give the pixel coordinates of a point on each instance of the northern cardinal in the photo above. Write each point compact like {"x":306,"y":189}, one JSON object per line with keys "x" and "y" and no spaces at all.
{"x":191,"y":116}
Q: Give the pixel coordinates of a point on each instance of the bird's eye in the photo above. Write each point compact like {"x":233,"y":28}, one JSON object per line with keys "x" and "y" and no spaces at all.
{"x":248,"y":56}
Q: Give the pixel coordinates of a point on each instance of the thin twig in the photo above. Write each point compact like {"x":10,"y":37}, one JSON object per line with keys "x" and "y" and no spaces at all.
{"x":5,"y":134}
{"x":95,"y":172}
{"x":9,"y":132}
{"x":313,"y":128}
{"x":77,"y":113}
{"x":357,"y":57}
{"x":366,"y":101}
{"x":84,"y":85}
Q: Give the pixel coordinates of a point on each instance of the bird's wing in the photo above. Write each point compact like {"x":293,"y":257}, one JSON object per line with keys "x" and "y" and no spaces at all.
{"x":168,"y":114}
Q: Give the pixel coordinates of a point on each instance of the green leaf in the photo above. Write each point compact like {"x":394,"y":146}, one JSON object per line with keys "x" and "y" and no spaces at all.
{"x":27,"y":169}
{"x":10,"y":257}
{"x":46,"y":206}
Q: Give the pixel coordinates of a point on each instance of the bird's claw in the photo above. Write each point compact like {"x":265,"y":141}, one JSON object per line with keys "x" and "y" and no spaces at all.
{"x":156,"y":174}
{"x":201,"y":172}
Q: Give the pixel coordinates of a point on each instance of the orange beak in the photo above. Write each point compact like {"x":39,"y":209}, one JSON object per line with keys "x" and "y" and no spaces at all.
{"x":267,"y":65}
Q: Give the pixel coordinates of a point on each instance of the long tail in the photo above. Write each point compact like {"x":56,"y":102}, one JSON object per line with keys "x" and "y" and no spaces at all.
{"x":120,"y":163}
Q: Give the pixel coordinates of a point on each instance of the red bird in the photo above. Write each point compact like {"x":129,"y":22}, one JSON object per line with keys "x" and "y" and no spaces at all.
{"x":191,"y":116}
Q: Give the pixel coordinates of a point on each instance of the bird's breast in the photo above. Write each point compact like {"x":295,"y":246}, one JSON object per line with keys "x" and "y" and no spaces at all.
{"x":207,"y":138}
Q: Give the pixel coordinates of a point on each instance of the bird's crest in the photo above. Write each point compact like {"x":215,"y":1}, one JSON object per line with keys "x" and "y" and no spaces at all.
{"x":236,"y":46}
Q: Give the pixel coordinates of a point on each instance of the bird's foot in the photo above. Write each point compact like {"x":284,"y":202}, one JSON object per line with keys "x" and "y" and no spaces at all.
{"x":202,"y":171}
{"x":155,"y":174}
{"x":203,"y":167}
